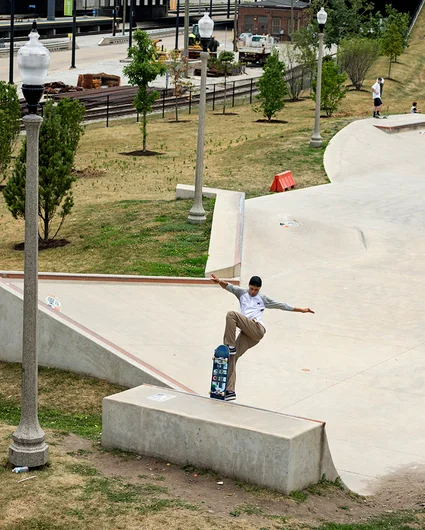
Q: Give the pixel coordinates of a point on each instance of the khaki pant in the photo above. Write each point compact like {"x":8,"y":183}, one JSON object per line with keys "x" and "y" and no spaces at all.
{"x":251,"y":332}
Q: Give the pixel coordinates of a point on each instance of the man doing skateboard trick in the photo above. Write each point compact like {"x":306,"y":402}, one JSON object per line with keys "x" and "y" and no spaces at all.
{"x":249,"y":321}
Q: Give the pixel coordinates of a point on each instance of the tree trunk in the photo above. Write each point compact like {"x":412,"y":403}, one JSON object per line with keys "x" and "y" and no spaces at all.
{"x":145,"y":121}
{"x":389,"y":70}
{"x":45,"y":237}
{"x":225,"y":90}
{"x":177,"y":108}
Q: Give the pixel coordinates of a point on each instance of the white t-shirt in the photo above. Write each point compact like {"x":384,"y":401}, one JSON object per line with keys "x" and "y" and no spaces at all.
{"x":253,"y":306}
{"x":376,"y":91}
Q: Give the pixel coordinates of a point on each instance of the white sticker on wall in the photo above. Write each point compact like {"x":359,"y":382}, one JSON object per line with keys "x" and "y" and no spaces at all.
{"x":161,"y":397}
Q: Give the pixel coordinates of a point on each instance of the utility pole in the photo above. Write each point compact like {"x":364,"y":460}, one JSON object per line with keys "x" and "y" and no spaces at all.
{"x":186,"y":37}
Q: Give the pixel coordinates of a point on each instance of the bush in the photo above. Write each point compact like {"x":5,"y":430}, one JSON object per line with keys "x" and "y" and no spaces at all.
{"x":356,"y":56}
{"x":59,"y":136}
{"x":333,"y":90}
{"x":10,"y":114}
{"x":272,"y":87}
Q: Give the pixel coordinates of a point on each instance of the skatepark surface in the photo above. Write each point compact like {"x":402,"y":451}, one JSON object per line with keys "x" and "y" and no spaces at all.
{"x":352,"y":250}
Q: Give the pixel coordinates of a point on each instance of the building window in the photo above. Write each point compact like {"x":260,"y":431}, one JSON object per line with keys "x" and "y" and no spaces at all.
{"x":276,"y":25}
{"x":263,"y":25}
{"x":248,"y":24}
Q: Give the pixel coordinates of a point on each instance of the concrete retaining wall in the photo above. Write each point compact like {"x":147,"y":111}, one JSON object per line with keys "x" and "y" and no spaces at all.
{"x":274,"y":450}
{"x":225,"y":250}
{"x":64,"y":344}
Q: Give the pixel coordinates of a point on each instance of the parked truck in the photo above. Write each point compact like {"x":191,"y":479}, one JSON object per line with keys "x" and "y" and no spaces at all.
{"x":255,"y":48}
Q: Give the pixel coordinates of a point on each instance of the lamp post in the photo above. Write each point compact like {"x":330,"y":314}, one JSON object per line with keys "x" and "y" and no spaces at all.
{"x":197,"y":212}
{"x":316,"y":139}
{"x":28,"y":447}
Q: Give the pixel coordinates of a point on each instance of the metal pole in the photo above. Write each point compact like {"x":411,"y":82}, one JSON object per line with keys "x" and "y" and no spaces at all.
{"x":186,"y":38}
{"x":228,"y":8}
{"x":190,"y":100}
{"x":250,"y":91}
{"x":11,"y":40}
{"x":213,"y":96}
{"x":107,"y":111}
{"x":124,"y":13}
{"x":211,"y":1}
{"x":235,"y":26}
{"x":74,"y":32}
{"x":233,"y":95}
{"x":292,"y":19}
{"x":176,"y":47}
{"x":197,"y":212}
{"x":29,"y":447}
{"x":163,"y":102}
{"x":51,"y":9}
{"x":316,"y":139}
{"x":130,"y":31}
{"x":115,"y":19}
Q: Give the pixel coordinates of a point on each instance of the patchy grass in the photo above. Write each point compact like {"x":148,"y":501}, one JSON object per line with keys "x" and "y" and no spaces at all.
{"x":85,"y":487}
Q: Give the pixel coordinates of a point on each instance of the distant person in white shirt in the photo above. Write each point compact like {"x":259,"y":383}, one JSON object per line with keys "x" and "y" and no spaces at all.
{"x":249,"y":321}
{"x":414,"y":108}
{"x":376,"y":96}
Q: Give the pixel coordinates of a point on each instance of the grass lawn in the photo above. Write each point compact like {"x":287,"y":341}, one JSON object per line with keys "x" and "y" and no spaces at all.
{"x":126,"y":219}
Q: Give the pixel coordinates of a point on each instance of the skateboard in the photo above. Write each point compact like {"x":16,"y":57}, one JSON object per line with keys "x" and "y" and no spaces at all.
{"x":219,"y":372}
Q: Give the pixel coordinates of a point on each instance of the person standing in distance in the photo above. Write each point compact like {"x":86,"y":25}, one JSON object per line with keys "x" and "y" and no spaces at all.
{"x":376,"y":96}
{"x":249,"y":321}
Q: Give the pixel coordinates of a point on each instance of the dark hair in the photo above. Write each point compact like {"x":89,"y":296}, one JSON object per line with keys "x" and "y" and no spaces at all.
{"x":379,"y":78}
{"x":255,"y":281}
{"x":414,"y":103}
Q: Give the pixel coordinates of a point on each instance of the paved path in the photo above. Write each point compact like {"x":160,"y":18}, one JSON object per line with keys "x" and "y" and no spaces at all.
{"x":357,"y":257}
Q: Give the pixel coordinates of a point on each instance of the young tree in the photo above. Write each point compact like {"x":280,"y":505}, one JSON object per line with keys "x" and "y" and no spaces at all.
{"x":10,"y":114}
{"x":177,"y":68}
{"x":272,"y":87}
{"x":143,"y":69}
{"x":295,"y":72}
{"x":60,"y":133}
{"x":306,"y":44}
{"x":391,"y":44}
{"x":226,"y":59}
{"x":333,"y":90}
{"x":356,"y":56}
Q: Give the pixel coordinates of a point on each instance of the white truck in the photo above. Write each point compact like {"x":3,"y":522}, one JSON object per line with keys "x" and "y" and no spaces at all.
{"x":255,"y":48}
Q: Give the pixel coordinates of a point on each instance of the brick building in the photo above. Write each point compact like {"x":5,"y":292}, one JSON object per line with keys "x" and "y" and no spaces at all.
{"x":271,"y":17}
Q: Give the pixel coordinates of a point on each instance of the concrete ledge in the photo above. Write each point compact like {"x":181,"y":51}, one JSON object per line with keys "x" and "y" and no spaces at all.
{"x":278,"y":451}
{"x":116,"y":278}
{"x":65,"y":344}
{"x":401,"y":123}
{"x":106,"y":41}
{"x":225,"y":250}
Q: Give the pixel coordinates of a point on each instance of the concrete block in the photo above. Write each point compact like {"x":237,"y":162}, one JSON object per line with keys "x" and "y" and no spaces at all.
{"x":225,"y":249}
{"x":278,"y":451}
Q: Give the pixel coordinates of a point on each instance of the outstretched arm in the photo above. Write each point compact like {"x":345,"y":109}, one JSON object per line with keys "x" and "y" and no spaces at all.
{"x":303,"y":310}
{"x":221,"y":283}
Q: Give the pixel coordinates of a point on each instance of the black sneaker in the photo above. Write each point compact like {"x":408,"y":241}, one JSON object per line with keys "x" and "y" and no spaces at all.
{"x":232,"y":350}
{"x":230,"y":395}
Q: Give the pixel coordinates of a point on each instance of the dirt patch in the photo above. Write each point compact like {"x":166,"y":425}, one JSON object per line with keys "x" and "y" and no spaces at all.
{"x":89,"y":173}
{"x":226,"y":114}
{"x":143,"y":153}
{"x":44,"y":245}
{"x":233,"y":500}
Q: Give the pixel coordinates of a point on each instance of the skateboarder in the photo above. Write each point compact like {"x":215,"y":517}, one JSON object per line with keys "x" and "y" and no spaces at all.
{"x":249,"y":321}
{"x":376,"y":96}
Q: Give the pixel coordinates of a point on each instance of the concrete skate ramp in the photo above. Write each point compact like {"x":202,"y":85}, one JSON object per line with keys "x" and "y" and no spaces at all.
{"x":274,"y":450}
{"x":65,"y":344}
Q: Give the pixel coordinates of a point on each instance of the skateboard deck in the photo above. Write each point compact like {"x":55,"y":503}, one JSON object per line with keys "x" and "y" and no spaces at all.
{"x":220,"y":372}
